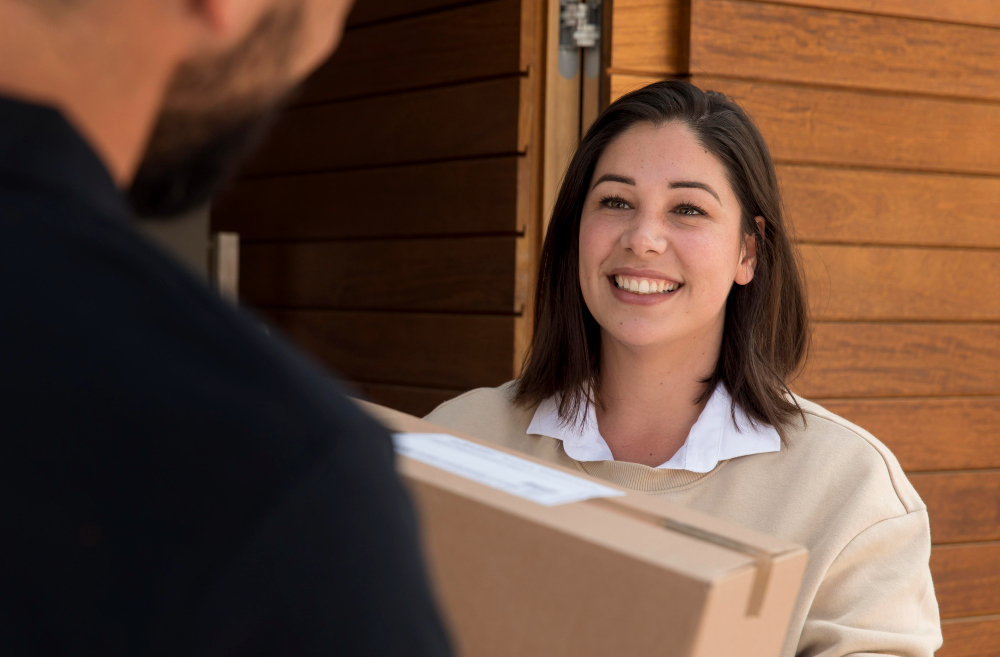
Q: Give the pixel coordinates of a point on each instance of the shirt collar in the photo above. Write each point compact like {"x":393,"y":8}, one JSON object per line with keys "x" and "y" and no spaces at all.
{"x":40,"y":149}
{"x":715,"y":436}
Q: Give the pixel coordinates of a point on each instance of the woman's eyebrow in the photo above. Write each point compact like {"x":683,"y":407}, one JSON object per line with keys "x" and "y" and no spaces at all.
{"x":614,"y":177}
{"x":690,"y":184}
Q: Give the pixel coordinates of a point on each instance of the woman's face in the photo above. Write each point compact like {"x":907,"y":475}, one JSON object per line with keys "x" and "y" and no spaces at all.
{"x":660,"y":240}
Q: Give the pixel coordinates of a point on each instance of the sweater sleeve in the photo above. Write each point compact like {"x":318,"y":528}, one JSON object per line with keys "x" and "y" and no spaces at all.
{"x":877,"y":597}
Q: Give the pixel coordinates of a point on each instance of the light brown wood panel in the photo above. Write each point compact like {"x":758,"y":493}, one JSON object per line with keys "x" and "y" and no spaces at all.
{"x":978,"y":12}
{"x":963,"y":506}
{"x":890,"y":207}
{"x":649,"y":35}
{"x":967,"y":579}
{"x":415,"y":349}
{"x":970,"y":637}
{"x":409,"y":399}
{"x":813,"y":125}
{"x":474,"y":41}
{"x":370,"y":11}
{"x":901,"y":283}
{"x":843,"y":49}
{"x":455,"y":274}
{"x":930,"y":433}
{"x":466,"y":120}
{"x":622,"y":83}
{"x":900,"y":360}
{"x":461,"y":197}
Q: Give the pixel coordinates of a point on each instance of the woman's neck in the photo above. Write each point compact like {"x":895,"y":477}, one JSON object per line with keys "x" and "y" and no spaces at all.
{"x":651,"y":397}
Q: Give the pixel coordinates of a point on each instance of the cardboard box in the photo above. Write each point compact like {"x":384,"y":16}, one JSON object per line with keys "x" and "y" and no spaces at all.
{"x":627,"y":574}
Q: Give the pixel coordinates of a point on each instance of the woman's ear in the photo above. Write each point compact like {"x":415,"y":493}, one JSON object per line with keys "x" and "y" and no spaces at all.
{"x":748,"y":258}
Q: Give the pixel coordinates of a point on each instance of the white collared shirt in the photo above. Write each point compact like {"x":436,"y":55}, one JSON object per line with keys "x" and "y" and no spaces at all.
{"x":713,"y":438}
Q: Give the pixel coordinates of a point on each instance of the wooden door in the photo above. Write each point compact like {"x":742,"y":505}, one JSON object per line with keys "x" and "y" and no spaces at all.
{"x":884,"y":119}
{"x":390,"y":222}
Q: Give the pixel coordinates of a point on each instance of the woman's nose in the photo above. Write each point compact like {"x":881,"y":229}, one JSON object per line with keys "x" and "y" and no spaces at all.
{"x":645,"y":234}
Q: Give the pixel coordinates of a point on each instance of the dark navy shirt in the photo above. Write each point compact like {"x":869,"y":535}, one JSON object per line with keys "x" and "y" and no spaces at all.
{"x":173,"y":480}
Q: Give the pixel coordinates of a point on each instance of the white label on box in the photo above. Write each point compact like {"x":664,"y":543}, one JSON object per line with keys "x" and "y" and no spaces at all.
{"x":491,"y":467}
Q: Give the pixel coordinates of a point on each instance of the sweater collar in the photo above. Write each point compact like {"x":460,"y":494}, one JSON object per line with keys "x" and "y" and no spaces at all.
{"x":721,"y":432}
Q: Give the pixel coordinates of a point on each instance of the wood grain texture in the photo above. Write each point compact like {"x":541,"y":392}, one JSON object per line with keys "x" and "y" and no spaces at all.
{"x":970,"y":637}
{"x":475,"y":41}
{"x":465,"y":274}
{"x":967,"y":579}
{"x":901,"y":360}
{"x":409,"y":399}
{"x":649,"y":35}
{"x":843,"y":49}
{"x":467,"y":120}
{"x":902,"y":283}
{"x":370,"y":11}
{"x":622,"y":83}
{"x":455,"y":352}
{"x":461,"y":197}
{"x":930,"y":433}
{"x":963,"y":506}
{"x":977,"y":12}
{"x":813,"y":126}
{"x":889,"y":207}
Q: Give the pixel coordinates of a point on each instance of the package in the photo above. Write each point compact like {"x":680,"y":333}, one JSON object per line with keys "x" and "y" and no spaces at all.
{"x":531,"y":559}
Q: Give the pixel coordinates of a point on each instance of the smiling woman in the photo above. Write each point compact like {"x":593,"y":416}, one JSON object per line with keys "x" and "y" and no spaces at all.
{"x":669,"y":317}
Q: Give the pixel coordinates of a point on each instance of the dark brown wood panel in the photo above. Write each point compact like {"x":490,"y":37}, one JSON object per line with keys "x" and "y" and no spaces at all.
{"x":977,"y":12}
{"x":475,"y":41}
{"x":455,"y":352}
{"x":843,"y":49}
{"x":967,"y":579}
{"x":815,"y":125}
{"x":900,"y":360}
{"x":963,"y":506}
{"x":370,"y":11}
{"x":461,"y":197}
{"x":466,"y":120}
{"x":889,"y":207}
{"x":649,"y":35}
{"x":970,"y":637}
{"x":455,"y":274}
{"x":901,"y":283}
{"x":930,"y":433}
{"x":409,"y":399}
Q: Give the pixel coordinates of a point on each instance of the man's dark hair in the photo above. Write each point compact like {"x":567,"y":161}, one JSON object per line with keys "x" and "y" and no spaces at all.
{"x":766,"y":324}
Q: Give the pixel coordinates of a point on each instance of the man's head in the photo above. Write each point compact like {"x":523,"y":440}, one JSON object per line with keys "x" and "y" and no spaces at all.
{"x":196,"y":80}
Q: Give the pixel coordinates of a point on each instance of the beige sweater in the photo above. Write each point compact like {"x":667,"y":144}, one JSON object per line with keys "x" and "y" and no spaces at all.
{"x":835,"y":489}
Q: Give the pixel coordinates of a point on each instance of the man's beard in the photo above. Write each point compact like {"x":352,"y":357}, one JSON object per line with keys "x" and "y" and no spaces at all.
{"x":215,"y":113}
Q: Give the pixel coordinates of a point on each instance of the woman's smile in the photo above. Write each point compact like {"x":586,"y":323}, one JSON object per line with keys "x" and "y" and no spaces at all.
{"x":642,"y":290}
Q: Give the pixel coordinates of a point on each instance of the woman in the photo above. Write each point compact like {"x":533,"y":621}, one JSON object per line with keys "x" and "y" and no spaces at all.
{"x":669,"y":317}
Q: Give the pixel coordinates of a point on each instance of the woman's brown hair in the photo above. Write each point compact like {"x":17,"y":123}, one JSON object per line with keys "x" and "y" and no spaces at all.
{"x":766,"y":325}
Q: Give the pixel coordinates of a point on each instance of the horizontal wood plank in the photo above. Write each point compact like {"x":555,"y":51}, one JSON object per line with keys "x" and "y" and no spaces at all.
{"x":963,"y":506}
{"x":474,"y":41}
{"x":453,"y":274}
{"x":883,"y":283}
{"x":970,"y":637}
{"x":424,"y":350}
{"x":900,"y":360}
{"x":409,"y":399}
{"x":461,"y":197}
{"x":622,"y":83}
{"x":889,"y":207}
{"x":649,"y":35}
{"x":830,"y":126}
{"x":467,"y":120}
{"x":370,"y":11}
{"x":976,"y":12}
{"x":967,"y":579}
{"x":930,"y":433}
{"x":843,"y":49}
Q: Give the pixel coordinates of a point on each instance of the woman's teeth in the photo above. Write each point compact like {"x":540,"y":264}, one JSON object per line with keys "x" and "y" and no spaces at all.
{"x":645,"y":285}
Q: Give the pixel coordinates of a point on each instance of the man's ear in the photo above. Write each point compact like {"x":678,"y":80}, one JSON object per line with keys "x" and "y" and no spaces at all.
{"x":748,"y":258}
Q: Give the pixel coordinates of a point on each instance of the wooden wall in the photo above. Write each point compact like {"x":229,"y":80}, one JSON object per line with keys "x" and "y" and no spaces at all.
{"x":884,"y":119}
{"x":390,"y":221}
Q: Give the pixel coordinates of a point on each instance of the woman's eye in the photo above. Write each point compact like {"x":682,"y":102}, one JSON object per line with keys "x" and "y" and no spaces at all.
{"x":615,"y":203}
{"x":688,"y":210}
